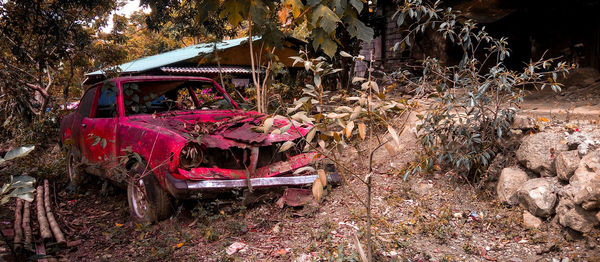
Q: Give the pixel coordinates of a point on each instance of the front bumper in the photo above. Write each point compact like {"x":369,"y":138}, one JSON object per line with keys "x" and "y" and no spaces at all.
{"x":183,"y":189}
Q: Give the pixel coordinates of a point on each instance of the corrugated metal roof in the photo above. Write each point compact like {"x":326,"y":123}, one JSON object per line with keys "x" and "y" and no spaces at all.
{"x":207,"y":70}
{"x":177,"y":55}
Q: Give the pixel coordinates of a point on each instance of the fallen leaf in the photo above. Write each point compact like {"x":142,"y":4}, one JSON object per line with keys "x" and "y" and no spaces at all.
{"x":118,"y":225}
{"x":280,"y":252}
{"x":236,"y":247}
{"x":179,"y":245}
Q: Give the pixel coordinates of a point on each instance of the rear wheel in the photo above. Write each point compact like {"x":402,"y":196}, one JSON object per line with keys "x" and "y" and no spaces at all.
{"x":148,"y":201}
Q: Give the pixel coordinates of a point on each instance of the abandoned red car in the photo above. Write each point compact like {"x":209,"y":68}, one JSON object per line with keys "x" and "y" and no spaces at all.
{"x":178,"y":136}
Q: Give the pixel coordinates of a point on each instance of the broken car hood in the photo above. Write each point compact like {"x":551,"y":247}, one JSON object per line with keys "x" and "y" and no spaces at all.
{"x":220,"y":128}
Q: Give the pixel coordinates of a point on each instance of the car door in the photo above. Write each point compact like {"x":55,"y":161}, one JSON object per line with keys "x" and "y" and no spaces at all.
{"x":99,"y":130}
{"x":84,"y":110}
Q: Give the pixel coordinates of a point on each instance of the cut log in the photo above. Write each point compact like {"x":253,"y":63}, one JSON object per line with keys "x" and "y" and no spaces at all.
{"x":17,"y":226}
{"x":41,"y":214}
{"x":60,"y":238}
{"x":40,"y":250}
{"x":27,"y":222}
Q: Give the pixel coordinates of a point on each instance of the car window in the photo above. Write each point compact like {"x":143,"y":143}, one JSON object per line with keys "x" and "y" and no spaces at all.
{"x":85,"y":106}
{"x":209,"y":97}
{"x":107,"y":102}
{"x":164,"y":96}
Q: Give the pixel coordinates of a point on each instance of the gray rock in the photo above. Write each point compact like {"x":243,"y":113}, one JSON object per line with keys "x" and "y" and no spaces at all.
{"x":591,"y":199}
{"x":566,"y":163}
{"x":574,"y":216}
{"x":511,"y":178}
{"x":582,"y":142}
{"x":523,"y":122}
{"x":537,"y":152}
{"x":531,"y":221}
{"x":592,"y":161}
{"x":422,"y":188}
{"x":584,"y":185}
{"x":538,"y":195}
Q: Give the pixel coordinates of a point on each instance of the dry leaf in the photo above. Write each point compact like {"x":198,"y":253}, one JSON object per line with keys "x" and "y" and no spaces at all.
{"x":349,"y":128}
{"x":287,"y":145}
{"x":355,"y":112}
{"x":390,"y":148}
{"x":362,"y":130}
{"x":267,"y":125}
{"x":322,"y":176}
{"x":317,"y":189}
{"x":311,"y":134}
{"x":394,"y":135}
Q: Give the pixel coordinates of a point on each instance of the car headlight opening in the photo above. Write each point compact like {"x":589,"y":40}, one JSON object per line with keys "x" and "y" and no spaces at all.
{"x":191,"y":156}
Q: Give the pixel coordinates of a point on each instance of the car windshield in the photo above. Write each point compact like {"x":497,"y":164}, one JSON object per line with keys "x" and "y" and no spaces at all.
{"x":164,"y":96}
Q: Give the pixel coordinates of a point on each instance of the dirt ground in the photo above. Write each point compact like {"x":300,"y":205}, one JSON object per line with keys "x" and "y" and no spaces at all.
{"x":434,"y":217}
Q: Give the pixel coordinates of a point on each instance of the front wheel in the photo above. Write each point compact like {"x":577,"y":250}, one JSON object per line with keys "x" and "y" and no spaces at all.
{"x":148,"y":201}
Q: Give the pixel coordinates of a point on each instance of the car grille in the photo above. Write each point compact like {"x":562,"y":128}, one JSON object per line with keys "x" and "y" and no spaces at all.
{"x":238,"y":158}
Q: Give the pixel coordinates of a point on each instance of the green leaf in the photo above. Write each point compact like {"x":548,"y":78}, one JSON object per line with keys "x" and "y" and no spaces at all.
{"x":17,"y":152}
{"x":205,"y":8}
{"x":313,"y":3}
{"x":235,"y":11}
{"x":323,"y":41}
{"x":358,"y":29}
{"x":323,"y":17}
{"x":339,"y":6}
{"x":21,"y":181}
{"x":317,"y":80}
{"x":258,"y":10}
{"x":357,"y":4}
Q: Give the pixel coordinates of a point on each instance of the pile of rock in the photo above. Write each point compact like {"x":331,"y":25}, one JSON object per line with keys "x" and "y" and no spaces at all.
{"x":561,"y":177}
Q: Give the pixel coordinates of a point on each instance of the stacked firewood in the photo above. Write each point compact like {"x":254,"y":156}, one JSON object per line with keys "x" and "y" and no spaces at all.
{"x":48,"y":227}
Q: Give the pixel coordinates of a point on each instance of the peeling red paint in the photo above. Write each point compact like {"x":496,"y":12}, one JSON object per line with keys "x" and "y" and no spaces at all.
{"x":274,"y":169}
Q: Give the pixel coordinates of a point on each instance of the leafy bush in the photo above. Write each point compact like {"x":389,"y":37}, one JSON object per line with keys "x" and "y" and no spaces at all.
{"x":475,"y":101}
{"x":19,"y":186}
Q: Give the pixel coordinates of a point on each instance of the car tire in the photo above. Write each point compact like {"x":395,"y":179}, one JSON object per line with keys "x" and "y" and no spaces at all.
{"x":74,"y":170}
{"x":148,"y":201}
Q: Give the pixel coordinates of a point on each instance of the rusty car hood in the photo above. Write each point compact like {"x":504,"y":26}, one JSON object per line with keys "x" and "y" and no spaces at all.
{"x":220,"y":128}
